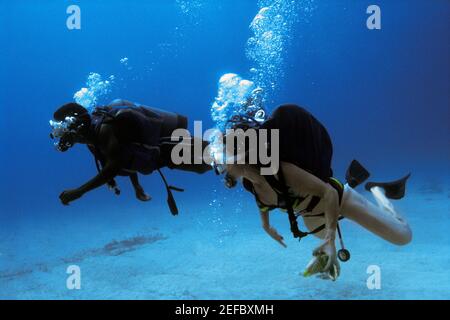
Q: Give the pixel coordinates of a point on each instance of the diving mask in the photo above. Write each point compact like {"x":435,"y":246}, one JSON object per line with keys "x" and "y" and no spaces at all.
{"x":220,"y":167}
{"x":218,"y":163}
{"x":64,"y":131}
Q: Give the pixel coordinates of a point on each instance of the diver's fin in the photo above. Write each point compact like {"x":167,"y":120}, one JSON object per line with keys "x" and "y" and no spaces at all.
{"x":393,"y":190}
{"x":356,"y":174}
{"x":171,"y":203}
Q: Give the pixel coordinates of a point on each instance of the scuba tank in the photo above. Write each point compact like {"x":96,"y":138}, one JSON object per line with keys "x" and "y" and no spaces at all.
{"x":170,"y":120}
{"x":166,"y":121}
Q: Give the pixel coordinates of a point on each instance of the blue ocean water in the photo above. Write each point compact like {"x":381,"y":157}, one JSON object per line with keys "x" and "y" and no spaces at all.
{"x":382,"y":94}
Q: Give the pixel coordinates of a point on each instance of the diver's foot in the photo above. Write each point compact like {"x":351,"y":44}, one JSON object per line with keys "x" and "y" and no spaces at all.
{"x":143,"y":196}
{"x":392,"y":190}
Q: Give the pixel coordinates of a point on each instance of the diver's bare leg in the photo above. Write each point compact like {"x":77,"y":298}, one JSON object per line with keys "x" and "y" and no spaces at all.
{"x":382,"y":220}
{"x":140,"y":193}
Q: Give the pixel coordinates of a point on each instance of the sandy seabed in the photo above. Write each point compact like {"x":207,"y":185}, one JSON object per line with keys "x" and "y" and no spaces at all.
{"x":220,"y":254}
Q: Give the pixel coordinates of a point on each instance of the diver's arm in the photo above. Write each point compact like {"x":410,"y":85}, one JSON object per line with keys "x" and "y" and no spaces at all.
{"x":270,"y":230}
{"x":113,"y":164}
{"x":303,"y":182}
{"x":111,"y":148}
{"x":107,"y":173}
{"x":265,"y":219}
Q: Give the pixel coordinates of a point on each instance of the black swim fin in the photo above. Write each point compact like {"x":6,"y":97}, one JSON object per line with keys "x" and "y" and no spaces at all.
{"x":356,"y":174}
{"x":393,"y":190}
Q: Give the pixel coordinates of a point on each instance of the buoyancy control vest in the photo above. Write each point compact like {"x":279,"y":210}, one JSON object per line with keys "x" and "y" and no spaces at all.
{"x":139,"y":130}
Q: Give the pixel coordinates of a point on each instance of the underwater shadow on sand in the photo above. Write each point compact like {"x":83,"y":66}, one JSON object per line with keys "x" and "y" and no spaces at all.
{"x":113,"y":248}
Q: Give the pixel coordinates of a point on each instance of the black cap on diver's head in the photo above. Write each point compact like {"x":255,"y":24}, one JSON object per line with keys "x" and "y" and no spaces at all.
{"x":80,"y":113}
{"x":71,"y":109}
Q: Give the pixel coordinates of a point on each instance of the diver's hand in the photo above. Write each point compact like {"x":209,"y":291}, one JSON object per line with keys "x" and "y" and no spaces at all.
{"x":275,"y":235}
{"x":142,"y":195}
{"x":324,"y":262}
{"x":327,"y":248}
{"x":69,"y":195}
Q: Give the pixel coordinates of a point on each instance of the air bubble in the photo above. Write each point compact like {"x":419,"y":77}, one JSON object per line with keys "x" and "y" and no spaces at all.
{"x":95,"y":89}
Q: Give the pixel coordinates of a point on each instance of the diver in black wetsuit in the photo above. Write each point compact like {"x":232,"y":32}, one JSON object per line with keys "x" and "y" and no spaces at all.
{"x":125,"y":140}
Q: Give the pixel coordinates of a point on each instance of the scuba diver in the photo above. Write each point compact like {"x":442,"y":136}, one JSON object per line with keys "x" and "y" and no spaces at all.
{"x":125,"y":139}
{"x":304,"y":186}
